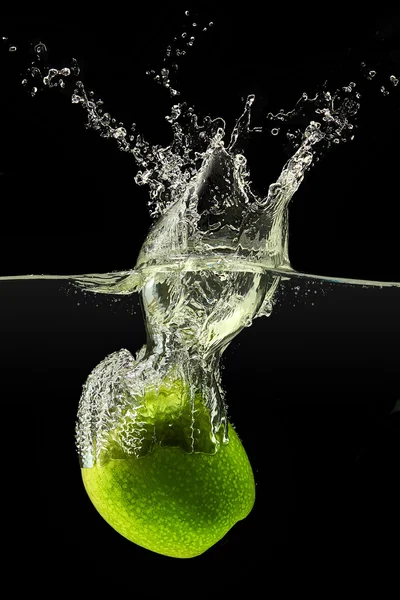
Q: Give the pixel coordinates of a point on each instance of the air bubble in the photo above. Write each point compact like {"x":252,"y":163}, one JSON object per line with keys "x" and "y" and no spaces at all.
{"x":275,"y":131}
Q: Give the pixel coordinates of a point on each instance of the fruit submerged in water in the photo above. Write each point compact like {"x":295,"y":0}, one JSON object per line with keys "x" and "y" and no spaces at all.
{"x":172,"y":502}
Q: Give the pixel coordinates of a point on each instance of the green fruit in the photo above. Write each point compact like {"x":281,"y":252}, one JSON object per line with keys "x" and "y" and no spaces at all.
{"x":173,"y":502}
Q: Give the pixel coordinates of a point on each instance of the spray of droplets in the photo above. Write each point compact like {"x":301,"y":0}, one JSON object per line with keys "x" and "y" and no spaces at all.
{"x":175,"y":52}
{"x":385,"y":84}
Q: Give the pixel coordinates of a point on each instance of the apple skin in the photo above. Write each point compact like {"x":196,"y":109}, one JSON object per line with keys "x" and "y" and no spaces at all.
{"x":172,"y":502}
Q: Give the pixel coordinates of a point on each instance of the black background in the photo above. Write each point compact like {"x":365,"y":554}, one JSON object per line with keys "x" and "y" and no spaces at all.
{"x":310,"y":389}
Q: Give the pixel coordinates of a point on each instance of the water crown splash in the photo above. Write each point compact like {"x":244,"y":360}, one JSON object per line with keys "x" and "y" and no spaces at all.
{"x":210,"y":264}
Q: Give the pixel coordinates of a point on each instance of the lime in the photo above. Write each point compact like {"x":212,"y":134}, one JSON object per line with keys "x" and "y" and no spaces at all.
{"x":174,"y":502}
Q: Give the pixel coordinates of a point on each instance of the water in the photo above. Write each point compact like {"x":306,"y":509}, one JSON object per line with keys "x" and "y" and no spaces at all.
{"x":215,"y":258}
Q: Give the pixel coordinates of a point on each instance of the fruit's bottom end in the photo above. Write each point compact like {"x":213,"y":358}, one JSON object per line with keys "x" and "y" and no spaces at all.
{"x":171,"y":502}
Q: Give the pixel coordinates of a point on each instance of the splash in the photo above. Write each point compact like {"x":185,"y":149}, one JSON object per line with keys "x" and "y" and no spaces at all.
{"x":210,"y":264}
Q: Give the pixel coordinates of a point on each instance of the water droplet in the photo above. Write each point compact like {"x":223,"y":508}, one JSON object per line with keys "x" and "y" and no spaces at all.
{"x":119,"y":133}
{"x":204,"y":28}
{"x":336,"y":141}
{"x":24,"y":81}
{"x":40,"y":50}
{"x":210,"y":24}
{"x":34,"y":90}
{"x":194,"y":24}
{"x":184,"y":34}
{"x":4,"y":39}
{"x":384,"y":91}
{"x":187,"y":13}
{"x":394,"y":80}
{"x":275,"y":131}
{"x":12,"y":49}
{"x":371,"y":75}
{"x":65,"y":72}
